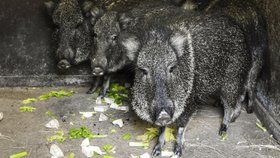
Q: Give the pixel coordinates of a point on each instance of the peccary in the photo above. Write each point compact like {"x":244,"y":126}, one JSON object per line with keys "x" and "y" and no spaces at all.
{"x":251,"y":21}
{"x":183,"y":62}
{"x":109,"y":55}
{"x":72,"y":34}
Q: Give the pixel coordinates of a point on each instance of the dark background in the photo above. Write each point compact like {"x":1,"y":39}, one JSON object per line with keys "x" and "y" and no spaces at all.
{"x":27,"y":56}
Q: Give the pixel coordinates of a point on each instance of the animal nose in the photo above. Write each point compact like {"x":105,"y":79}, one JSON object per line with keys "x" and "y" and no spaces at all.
{"x":163,"y":118}
{"x":63,"y":64}
{"x":98,"y":71}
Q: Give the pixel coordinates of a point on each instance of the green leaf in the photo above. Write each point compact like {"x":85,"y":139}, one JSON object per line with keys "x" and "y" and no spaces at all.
{"x":56,"y":94}
{"x":107,"y":148}
{"x":72,"y":155}
{"x":59,"y":137}
{"x":260,"y":126}
{"x":150,"y":134}
{"x":29,"y":100}
{"x":83,"y":132}
{"x":224,"y":136}
{"x":126,"y":136}
{"x":26,"y":109}
{"x":169,"y":136}
{"x":118,"y":93}
{"x":19,"y":155}
{"x":107,"y":156}
{"x":50,"y":114}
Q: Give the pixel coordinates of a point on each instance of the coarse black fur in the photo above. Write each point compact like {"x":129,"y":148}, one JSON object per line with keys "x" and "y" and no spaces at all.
{"x":249,"y":18}
{"x":184,"y":61}
{"x":72,"y":32}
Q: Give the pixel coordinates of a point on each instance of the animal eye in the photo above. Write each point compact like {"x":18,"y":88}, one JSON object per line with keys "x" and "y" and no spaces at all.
{"x":144,"y":71}
{"x":172,"y":68}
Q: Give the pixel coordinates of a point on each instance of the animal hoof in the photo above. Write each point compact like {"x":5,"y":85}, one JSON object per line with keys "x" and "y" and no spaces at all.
{"x":223,"y":129}
{"x":90,"y":91}
{"x":177,"y":151}
{"x":156,"y":151}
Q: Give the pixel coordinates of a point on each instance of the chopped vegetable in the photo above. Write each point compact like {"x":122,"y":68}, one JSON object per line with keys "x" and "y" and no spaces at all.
{"x":72,"y":155}
{"x":29,"y":100}
{"x":150,"y":134}
{"x":56,"y":94}
{"x":108,"y":148}
{"x":126,"y":136}
{"x":26,"y":108}
{"x":55,"y":151}
{"x":169,"y":136}
{"x":53,"y":124}
{"x":83,"y":132}
{"x":117,"y":93}
{"x":260,"y":126}
{"x":59,"y":137}
{"x":139,"y":144}
{"x":19,"y":155}
{"x":107,"y":156}
{"x":87,"y":114}
{"x":113,"y":131}
{"x":118,"y":122}
{"x":50,"y":114}
{"x":103,"y":117}
{"x":224,"y":136}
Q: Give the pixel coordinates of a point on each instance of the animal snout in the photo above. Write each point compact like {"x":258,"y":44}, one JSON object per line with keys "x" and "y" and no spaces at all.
{"x":98,"y":71}
{"x":163,"y":118}
{"x":63,"y":64}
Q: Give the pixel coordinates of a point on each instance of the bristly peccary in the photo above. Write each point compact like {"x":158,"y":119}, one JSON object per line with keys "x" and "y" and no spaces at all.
{"x":109,"y":55}
{"x":72,"y":34}
{"x":184,"y":61}
{"x":251,"y":21}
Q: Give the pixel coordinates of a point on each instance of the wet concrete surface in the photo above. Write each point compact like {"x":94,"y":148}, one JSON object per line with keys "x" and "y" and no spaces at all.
{"x":27,"y":132}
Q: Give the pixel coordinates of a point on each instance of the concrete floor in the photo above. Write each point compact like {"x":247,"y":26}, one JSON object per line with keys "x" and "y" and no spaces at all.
{"x":27,"y":131}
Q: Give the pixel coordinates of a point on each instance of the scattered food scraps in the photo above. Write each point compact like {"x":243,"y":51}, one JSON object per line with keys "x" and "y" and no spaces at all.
{"x":145,"y":155}
{"x":166,"y":153}
{"x":107,"y":156}
{"x":87,"y":114}
{"x":103,"y":117}
{"x":109,"y":149}
{"x":117,"y":93}
{"x":139,"y":144}
{"x":126,"y":136}
{"x":224,"y":136}
{"x":150,"y":134}
{"x":29,"y":100}
{"x":55,"y":151}
{"x":117,"y":107}
{"x":169,"y":136}
{"x":82,"y":132}
{"x":113,"y":131}
{"x":53,"y":124}
{"x":56,"y":94}
{"x":59,"y":137}
{"x":26,"y":108}
{"x":109,"y":100}
{"x":72,"y":155}
{"x":50,"y":114}
{"x":100,"y":108}
{"x":260,"y":126}
{"x":1,"y":116}
{"x":98,"y":101}
{"x":19,"y":155}
{"x":118,"y":122}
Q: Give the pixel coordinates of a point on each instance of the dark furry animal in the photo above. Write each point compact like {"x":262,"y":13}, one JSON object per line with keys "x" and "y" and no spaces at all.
{"x":183,"y":62}
{"x":72,"y":33}
{"x":249,"y":18}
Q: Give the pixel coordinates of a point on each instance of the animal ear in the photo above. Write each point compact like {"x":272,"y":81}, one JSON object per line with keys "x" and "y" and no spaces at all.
{"x":126,"y":21}
{"x":50,"y":5}
{"x":132,"y":45}
{"x":86,"y":6}
{"x":179,"y":41}
{"x":96,"y":13}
